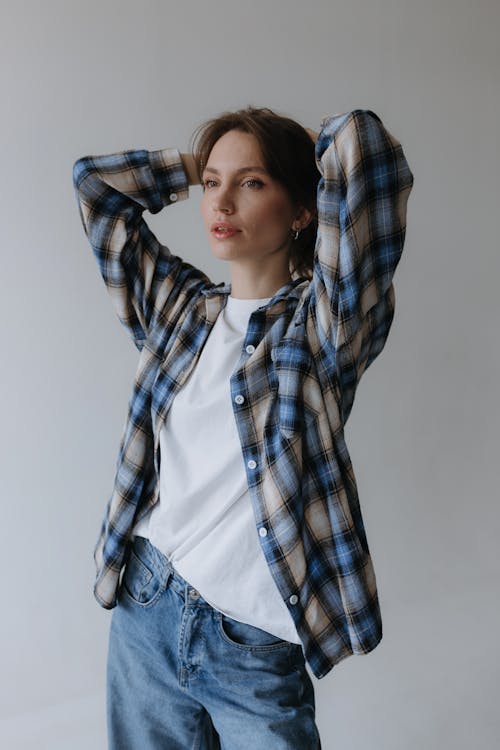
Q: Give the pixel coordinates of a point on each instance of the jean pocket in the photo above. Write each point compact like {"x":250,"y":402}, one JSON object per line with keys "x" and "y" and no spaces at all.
{"x":248,"y":637}
{"x":140,"y":583}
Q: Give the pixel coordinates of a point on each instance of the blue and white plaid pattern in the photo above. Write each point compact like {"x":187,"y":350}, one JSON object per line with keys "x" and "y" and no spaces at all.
{"x":313,"y":340}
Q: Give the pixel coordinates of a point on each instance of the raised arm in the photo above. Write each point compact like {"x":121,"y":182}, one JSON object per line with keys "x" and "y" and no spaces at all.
{"x":143,"y":277}
{"x":362,"y":197}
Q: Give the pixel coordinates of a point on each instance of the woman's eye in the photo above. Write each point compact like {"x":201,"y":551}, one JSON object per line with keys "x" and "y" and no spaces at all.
{"x":208,"y":183}
{"x":253,"y":183}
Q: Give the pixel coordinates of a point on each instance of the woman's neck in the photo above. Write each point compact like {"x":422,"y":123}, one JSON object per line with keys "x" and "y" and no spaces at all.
{"x":257,"y":284}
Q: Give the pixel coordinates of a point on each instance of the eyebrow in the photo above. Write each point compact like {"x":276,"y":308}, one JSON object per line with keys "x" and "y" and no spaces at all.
{"x":238,"y":171}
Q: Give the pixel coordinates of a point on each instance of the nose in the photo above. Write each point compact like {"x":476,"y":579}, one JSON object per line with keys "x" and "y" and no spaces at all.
{"x":222,"y":201}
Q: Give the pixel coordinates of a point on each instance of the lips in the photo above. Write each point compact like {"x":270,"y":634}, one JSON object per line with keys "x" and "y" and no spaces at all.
{"x":222,"y":230}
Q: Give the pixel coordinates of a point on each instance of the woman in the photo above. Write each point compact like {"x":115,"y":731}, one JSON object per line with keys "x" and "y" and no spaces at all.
{"x":235,"y":512}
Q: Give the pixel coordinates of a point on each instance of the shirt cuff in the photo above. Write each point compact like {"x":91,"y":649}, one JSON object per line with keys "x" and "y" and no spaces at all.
{"x":170,"y":177}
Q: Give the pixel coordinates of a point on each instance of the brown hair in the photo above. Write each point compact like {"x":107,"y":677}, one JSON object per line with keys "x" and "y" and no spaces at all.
{"x":288,"y":154}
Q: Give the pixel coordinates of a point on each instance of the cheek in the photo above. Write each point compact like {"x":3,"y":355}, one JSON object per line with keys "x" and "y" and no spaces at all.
{"x":204,"y":212}
{"x":276,"y":216}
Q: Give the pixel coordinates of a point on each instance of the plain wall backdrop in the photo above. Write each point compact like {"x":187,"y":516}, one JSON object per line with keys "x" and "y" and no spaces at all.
{"x":96,"y":77}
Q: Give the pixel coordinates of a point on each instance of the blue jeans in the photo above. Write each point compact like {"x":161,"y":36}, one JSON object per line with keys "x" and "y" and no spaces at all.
{"x":183,"y":676}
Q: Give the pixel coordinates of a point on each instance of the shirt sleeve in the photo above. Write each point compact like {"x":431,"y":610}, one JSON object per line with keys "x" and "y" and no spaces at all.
{"x":362,"y":196}
{"x":143,"y":277}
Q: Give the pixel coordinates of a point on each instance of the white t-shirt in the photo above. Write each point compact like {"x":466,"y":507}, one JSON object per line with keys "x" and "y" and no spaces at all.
{"x":204,"y":520}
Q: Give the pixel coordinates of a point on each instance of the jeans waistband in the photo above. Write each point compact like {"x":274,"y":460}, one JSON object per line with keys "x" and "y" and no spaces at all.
{"x":161,"y":566}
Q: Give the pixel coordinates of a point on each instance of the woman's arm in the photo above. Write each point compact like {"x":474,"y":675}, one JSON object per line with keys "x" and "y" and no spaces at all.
{"x":362,"y":200}
{"x":143,"y":277}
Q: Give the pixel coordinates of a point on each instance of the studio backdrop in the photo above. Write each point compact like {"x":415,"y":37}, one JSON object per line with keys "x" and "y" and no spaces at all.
{"x":98,"y":77}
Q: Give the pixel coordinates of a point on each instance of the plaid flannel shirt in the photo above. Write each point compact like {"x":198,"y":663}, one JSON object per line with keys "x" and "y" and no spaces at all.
{"x":312,"y":342}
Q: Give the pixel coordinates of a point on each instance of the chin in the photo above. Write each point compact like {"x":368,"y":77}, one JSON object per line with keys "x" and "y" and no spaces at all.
{"x":223,"y":253}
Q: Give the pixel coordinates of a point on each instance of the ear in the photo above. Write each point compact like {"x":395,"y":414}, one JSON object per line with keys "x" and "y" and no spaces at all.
{"x":303,"y":217}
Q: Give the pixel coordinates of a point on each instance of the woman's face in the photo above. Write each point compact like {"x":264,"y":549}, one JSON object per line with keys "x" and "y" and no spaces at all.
{"x":248,"y":215}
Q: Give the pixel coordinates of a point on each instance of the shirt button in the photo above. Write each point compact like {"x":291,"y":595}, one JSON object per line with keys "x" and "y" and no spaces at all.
{"x":173,"y":197}
{"x":263,"y":531}
{"x":250,"y":349}
{"x":251,"y":464}
{"x":293,"y":599}
{"x":239,"y":399}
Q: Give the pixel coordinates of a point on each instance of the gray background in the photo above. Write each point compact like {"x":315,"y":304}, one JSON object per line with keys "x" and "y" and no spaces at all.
{"x":96,"y":77}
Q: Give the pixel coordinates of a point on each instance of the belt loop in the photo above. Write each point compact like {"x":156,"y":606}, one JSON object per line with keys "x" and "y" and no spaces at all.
{"x":168,"y":572}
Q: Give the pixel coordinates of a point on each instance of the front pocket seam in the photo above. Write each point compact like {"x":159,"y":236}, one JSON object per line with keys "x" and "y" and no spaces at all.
{"x":147,"y":604}
{"x":131,"y":597}
{"x":249,"y":647}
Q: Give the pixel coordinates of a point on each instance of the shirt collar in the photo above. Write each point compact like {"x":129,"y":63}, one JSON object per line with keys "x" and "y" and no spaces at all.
{"x":291,"y":289}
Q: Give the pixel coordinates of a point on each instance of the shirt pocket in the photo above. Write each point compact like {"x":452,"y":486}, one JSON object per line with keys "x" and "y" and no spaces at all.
{"x":292,"y":378}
